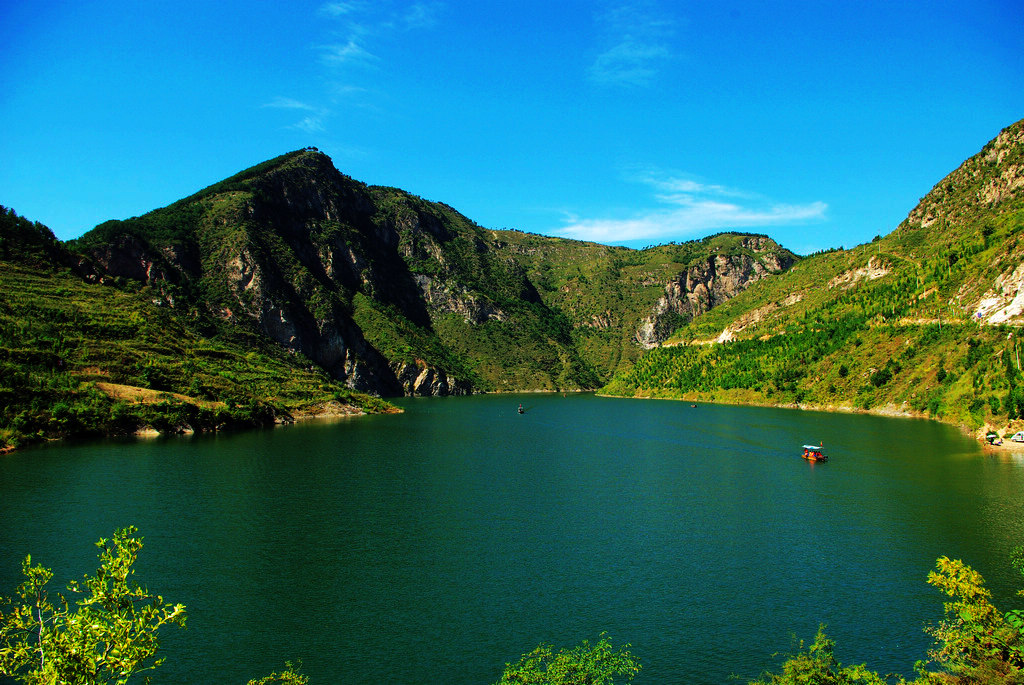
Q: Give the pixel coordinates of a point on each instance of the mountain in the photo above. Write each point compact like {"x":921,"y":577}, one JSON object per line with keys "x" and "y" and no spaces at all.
{"x":290,"y":288}
{"x":923,"y":320}
{"x":392,"y":294}
{"x":88,"y":355}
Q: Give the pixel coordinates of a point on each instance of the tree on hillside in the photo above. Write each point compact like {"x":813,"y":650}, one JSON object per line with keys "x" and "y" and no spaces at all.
{"x":975,"y":642}
{"x":106,"y":635}
{"x":582,"y":665}
{"x":819,"y":666}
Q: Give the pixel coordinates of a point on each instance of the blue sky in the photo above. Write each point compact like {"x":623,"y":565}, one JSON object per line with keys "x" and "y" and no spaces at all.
{"x":635,"y":123}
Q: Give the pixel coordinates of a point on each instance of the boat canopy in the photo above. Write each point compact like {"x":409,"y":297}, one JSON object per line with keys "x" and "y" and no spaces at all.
{"x":813,"y":448}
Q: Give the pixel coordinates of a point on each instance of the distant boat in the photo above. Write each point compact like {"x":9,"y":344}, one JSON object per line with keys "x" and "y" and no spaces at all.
{"x":521,"y":410}
{"x":814,"y":453}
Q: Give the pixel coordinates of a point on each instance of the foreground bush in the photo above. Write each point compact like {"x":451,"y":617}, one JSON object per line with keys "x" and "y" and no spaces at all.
{"x":108,"y":634}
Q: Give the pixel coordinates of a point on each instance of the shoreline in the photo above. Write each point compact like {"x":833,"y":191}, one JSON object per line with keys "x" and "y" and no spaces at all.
{"x":336,"y":411}
{"x":889,"y":411}
{"x":330,"y":411}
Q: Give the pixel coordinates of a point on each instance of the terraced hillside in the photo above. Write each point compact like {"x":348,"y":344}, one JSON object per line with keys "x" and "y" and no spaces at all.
{"x":923,"y":320}
{"x":392,"y":294}
{"x":81,"y":358}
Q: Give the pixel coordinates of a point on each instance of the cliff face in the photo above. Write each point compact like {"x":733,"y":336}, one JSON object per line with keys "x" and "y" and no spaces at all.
{"x":709,"y":283}
{"x":918,"y":321}
{"x":396,"y":295}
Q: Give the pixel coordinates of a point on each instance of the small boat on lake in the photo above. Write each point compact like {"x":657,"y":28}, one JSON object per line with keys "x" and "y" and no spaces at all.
{"x":814,"y":453}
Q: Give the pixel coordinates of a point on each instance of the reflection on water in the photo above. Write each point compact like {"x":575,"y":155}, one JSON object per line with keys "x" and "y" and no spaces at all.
{"x":436,"y":545}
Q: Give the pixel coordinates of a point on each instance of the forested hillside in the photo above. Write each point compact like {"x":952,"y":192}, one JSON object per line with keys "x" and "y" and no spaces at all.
{"x":81,"y":358}
{"x":290,"y":288}
{"x":392,"y":294}
{"x":922,"y":320}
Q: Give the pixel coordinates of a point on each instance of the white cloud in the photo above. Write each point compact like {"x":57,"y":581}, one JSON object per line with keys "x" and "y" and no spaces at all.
{"x":691,"y":209}
{"x":355,"y":32}
{"x":310,"y":124}
{"x":289,"y":103}
{"x":313,"y":122}
{"x":677,"y":188}
{"x":628,"y":62}
{"x":338,"y":9}
{"x":421,"y":15}
{"x":362,"y":24}
{"x":347,"y":52}
{"x":636,"y":39}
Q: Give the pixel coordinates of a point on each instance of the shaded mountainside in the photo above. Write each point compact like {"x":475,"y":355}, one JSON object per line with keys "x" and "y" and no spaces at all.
{"x":392,"y":294}
{"x":289,"y":286}
{"x":922,"y":320}
{"x":620,"y":301}
{"x":79,"y":357}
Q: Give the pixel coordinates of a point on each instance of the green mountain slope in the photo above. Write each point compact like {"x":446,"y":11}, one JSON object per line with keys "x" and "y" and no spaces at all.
{"x":84,"y":358}
{"x":921,"y":321}
{"x":393,"y":294}
{"x":620,"y":301}
{"x":289,"y":288}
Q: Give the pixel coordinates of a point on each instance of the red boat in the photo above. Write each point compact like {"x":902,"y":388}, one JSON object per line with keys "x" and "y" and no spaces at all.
{"x":814,"y":453}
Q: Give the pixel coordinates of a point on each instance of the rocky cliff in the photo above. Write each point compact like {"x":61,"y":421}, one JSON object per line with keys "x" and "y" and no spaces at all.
{"x":392,"y":294}
{"x":709,"y":283}
{"x":920,"y":321}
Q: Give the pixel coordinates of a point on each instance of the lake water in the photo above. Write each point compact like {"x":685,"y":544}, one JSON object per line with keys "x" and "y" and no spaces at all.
{"x":436,"y":545}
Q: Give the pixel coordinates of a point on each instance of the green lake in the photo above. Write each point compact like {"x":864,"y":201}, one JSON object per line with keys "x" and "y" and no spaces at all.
{"x":436,"y":545}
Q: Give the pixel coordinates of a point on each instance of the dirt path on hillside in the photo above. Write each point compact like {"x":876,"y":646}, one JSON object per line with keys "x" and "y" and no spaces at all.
{"x":139,"y":395}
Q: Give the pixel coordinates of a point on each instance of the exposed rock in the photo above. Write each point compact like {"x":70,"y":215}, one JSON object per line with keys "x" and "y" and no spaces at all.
{"x":418,"y":379}
{"x":131,"y":258}
{"x":1005,"y":301}
{"x":875,"y":268}
{"x":1010,"y":180}
{"x":755,"y":316}
{"x":942,"y":203}
{"x":444,"y":298}
{"x":708,"y":284}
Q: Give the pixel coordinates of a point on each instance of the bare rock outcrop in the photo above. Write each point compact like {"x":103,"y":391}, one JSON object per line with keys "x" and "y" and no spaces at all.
{"x":709,"y":283}
{"x":418,"y":379}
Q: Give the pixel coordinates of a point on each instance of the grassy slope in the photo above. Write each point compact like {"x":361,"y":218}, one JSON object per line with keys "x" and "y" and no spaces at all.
{"x":567,"y":311}
{"x":887,"y":325}
{"x":67,"y":347}
{"x":603,"y":291}
{"x":526,"y":345}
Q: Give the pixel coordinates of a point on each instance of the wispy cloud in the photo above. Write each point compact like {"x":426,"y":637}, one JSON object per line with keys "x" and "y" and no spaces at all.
{"x":289,"y":103}
{"x":636,"y":38}
{"x":689,"y":209}
{"x":313,"y":122}
{"x":354,"y":31}
{"x":360,"y":23}
{"x":346,"y":52}
{"x":310,"y":124}
{"x":337,"y":9}
{"x":421,"y":15}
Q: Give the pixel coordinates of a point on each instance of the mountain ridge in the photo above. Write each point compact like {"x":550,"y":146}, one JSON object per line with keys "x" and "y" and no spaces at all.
{"x":371,"y":289}
{"x":918,"y":322}
{"x":290,"y":289}
{"x":388,"y":292}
